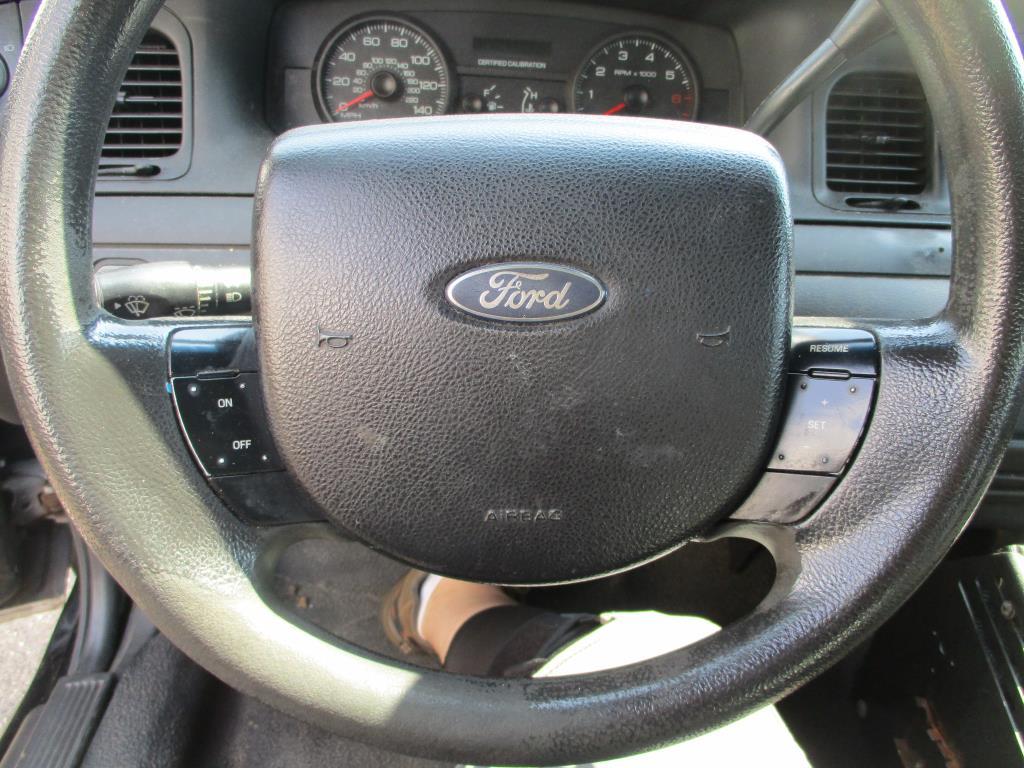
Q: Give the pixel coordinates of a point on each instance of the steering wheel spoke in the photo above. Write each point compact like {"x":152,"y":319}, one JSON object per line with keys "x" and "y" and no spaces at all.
{"x":916,"y":362}
{"x":924,"y":372}
{"x":137,"y":348}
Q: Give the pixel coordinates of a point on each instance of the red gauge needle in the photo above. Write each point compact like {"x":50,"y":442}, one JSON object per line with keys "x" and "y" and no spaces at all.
{"x":617,"y":108}
{"x":356,"y":100}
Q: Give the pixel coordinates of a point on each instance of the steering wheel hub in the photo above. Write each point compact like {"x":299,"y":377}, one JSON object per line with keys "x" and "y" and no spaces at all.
{"x":567,"y":335}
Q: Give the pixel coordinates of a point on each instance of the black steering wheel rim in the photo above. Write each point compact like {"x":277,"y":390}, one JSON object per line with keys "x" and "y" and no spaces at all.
{"x":947,"y":393}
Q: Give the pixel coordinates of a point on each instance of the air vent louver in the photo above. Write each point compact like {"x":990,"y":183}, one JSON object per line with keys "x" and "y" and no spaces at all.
{"x":147,"y":118}
{"x":878,"y":135}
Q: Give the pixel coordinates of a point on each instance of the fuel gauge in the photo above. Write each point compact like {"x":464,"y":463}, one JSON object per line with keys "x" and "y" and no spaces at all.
{"x":487,"y":99}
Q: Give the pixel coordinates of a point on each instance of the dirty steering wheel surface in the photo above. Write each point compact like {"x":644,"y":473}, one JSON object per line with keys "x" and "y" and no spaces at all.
{"x":435,"y":418}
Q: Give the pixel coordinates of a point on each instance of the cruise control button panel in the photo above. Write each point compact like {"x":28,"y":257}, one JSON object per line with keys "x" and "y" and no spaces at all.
{"x":223,"y":421}
{"x":214,"y":385}
{"x":830,"y":392}
{"x":823,"y":423}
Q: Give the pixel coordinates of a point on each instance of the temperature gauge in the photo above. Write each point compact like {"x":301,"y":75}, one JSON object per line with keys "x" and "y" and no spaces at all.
{"x":533,"y":101}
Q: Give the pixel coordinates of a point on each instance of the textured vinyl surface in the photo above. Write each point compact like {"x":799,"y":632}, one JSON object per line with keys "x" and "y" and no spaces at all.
{"x":429,"y":424}
{"x":91,"y":394}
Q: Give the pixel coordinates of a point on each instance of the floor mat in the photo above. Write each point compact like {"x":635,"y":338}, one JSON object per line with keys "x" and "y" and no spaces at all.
{"x":338,"y":585}
{"x":166,"y":712}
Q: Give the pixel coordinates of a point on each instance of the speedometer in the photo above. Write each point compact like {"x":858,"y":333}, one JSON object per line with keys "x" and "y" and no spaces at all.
{"x":381,"y":68}
{"x":637,"y":74}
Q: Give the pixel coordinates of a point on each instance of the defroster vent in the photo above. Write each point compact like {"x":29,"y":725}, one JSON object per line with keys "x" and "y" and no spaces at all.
{"x":147,"y":121}
{"x":878,"y":138}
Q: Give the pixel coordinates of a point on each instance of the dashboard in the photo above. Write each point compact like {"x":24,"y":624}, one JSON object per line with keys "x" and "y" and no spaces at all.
{"x":432,"y":62}
{"x":249,"y":70}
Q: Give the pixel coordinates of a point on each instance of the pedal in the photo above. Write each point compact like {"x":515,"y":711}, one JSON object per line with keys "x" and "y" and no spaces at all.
{"x":57,"y":734}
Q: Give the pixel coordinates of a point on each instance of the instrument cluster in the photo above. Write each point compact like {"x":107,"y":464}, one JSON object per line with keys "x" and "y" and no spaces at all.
{"x":334,"y":62}
{"x":386,"y":66}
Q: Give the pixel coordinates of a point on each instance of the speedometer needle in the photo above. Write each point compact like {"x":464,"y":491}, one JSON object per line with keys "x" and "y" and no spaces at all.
{"x":352,"y":102}
{"x":617,"y":108}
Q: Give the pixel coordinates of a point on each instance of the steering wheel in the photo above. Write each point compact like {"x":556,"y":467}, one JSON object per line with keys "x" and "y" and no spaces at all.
{"x":400,"y":436}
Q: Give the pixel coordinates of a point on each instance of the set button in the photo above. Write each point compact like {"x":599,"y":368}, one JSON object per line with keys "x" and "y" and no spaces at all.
{"x":823,"y":423}
{"x":223,"y":422}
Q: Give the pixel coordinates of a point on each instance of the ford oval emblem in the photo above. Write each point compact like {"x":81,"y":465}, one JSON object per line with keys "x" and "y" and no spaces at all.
{"x":525,"y":292}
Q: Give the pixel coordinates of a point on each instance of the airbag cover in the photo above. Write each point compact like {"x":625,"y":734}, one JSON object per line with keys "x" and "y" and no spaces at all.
{"x":508,"y":451}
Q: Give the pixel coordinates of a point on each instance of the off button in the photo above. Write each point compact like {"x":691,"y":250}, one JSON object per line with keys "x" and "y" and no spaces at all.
{"x":823,"y":422}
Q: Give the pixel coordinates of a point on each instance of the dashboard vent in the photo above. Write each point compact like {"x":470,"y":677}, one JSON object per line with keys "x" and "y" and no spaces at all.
{"x":878,"y":135}
{"x":147,"y":121}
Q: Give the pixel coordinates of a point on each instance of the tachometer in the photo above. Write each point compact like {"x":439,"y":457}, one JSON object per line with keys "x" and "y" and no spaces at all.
{"x":637,"y":74}
{"x":381,"y":68}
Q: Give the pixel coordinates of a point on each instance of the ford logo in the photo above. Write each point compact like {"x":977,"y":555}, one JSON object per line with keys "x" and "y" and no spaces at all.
{"x":525,"y":292}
